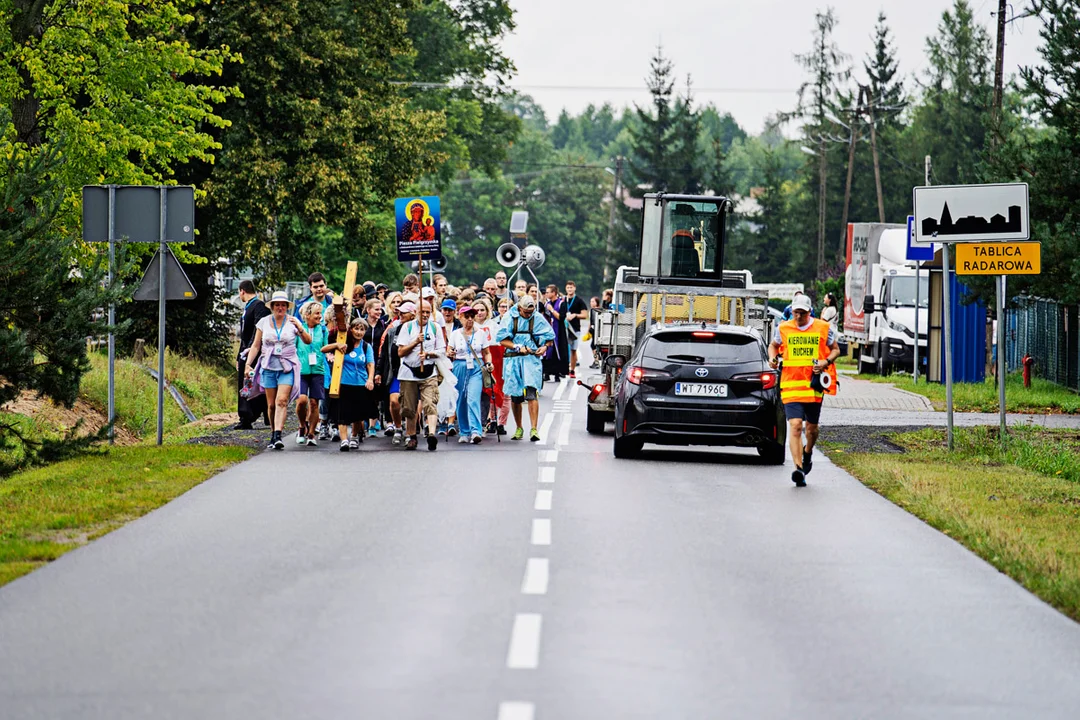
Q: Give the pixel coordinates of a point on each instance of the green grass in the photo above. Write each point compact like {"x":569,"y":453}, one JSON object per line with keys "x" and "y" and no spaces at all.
{"x":1016,"y":505}
{"x":45,"y":512}
{"x":1042,"y":397}
{"x":206,"y":389}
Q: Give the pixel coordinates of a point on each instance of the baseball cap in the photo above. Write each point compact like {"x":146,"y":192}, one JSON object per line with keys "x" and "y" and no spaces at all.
{"x":407,"y":307}
{"x":801,"y":302}
{"x":427,"y":292}
{"x":449,"y":304}
{"x":466,"y":309}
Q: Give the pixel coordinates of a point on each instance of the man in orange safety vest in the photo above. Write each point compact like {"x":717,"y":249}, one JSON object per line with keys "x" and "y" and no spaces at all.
{"x":808,"y":348}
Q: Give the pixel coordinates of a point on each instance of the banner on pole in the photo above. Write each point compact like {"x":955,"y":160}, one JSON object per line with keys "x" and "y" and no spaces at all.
{"x":418,"y":228}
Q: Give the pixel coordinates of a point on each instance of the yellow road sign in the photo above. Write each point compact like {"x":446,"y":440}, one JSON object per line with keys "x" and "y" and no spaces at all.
{"x":998,"y":258}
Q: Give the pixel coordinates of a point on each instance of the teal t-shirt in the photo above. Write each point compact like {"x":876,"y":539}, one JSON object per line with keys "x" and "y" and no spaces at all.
{"x":319,"y":339}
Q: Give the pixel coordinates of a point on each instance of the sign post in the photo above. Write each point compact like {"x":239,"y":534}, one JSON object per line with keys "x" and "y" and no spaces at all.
{"x":917,"y":253}
{"x":996,"y":217}
{"x":140,"y":213}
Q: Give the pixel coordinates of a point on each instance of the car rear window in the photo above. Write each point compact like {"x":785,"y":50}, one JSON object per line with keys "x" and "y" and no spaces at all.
{"x":703,"y":347}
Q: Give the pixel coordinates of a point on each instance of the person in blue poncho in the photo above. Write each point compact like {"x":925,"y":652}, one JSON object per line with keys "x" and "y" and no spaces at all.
{"x":526,"y":335}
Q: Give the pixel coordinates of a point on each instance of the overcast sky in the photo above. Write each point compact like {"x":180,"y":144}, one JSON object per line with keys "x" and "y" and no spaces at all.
{"x":740,"y":54}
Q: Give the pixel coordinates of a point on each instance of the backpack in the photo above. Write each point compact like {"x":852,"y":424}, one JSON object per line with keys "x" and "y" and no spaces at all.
{"x":532,"y":334}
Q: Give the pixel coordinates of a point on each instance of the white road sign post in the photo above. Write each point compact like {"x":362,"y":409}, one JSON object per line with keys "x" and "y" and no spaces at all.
{"x":968,"y":214}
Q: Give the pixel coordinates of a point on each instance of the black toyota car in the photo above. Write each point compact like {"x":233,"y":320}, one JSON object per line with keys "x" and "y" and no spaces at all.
{"x":700,"y":385}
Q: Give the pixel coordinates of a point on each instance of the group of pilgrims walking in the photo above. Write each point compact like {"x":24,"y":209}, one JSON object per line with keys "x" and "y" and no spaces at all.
{"x":436,"y":360}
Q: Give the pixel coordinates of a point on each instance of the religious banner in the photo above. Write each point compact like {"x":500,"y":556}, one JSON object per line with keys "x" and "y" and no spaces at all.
{"x":418,"y":232}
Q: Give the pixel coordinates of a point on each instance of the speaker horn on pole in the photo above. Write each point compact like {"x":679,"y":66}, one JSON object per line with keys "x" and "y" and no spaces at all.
{"x":439,"y":264}
{"x":508,"y":255}
{"x":534,"y":256}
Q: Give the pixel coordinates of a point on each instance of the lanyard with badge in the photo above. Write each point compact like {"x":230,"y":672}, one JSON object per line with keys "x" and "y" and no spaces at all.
{"x":313,"y":355}
{"x":279,"y":345}
{"x":468,"y":349}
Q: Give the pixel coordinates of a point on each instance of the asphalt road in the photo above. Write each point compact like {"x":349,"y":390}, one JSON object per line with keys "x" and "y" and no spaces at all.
{"x":520,"y":581}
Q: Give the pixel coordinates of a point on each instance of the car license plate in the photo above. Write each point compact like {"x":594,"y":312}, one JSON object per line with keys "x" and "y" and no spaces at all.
{"x":694,"y":389}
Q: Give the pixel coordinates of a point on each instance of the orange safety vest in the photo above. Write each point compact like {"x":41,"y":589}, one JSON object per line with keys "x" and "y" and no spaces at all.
{"x":800,"y":348}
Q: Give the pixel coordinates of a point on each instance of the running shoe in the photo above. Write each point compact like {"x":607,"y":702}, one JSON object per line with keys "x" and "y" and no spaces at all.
{"x":344,"y":446}
{"x":279,"y":444}
{"x":410,"y":444}
{"x":573,"y":375}
{"x":463,"y":440}
{"x":807,"y":462}
{"x":477,"y":439}
{"x":518,"y":434}
{"x":501,"y":430}
{"x":390,"y":430}
{"x":300,"y":439}
{"x":399,"y":436}
{"x":432,"y":442}
{"x":440,"y":429}
{"x":324,"y":432}
{"x":451,"y":431}
{"x":270,"y":445}
{"x":336,"y":436}
{"x":354,"y":444}
{"x":492,"y":428}
{"x":534,"y":435}
{"x":312,"y":442}
{"x":798,"y":478}
{"x":373,"y":431}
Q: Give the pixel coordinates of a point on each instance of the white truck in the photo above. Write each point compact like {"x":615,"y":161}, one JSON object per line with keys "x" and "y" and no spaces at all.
{"x":880,"y":294}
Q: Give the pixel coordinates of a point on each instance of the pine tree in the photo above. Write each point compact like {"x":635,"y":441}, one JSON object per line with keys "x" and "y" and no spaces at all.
{"x":882,"y":68}
{"x":652,"y":137}
{"x":687,"y":174}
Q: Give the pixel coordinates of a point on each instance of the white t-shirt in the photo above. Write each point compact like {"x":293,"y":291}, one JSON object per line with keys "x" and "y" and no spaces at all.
{"x":275,"y":338}
{"x":471,"y":349}
{"x":433,"y":344}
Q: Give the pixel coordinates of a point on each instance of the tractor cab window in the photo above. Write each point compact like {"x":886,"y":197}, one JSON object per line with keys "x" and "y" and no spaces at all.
{"x":681,"y":240}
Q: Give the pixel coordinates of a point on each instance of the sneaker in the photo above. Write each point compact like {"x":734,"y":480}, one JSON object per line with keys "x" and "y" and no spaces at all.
{"x":279,"y":444}
{"x":807,"y":462}
{"x":300,"y":439}
{"x":270,"y":445}
{"x":427,"y":430}
{"x":432,"y":442}
{"x":335,"y":436}
{"x":440,"y":429}
{"x":501,"y":430}
{"x":534,"y":435}
{"x":410,"y":444}
{"x":463,"y":440}
{"x":390,"y":430}
{"x":518,"y":434}
{"x":324,"y":433}
{"x":312,"y":442}
{"x":354,"y":444}
{"x":492,"y":428}
{"x":344,"y":446}
{"x":399,"y":437}
{"x":572,"y":375}
{"x":798,"y":478}
{"x":372,"y":432}
{"x":477,"y":439}
{"x":377,"y":425}
{"x":451,"y":431}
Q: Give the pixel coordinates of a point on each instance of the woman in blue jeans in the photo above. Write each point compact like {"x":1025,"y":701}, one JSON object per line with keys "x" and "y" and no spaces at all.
{"x":469,"y":347}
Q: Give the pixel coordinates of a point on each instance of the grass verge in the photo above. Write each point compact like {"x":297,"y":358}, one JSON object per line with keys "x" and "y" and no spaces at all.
{"x":1042,"y":397}
{"x":207,"y":390}
{"x":45,"y":512}
{"x":1015,"y":505}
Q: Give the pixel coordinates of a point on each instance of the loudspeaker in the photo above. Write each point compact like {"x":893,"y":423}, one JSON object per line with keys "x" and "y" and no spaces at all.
{"x":508,"y":255}
{"x":534,"y":256}
{"x":439,"y":264}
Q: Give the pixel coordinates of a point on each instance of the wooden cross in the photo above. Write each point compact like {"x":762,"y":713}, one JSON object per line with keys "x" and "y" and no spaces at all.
{"x":342,"y":314}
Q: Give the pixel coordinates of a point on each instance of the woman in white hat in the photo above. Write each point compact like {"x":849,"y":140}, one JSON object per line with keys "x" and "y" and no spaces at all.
{"x":279,"y":365}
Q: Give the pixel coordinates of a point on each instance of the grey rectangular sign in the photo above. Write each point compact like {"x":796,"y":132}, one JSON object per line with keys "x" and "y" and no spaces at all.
{"x":971,"y":213}
{"x":138,"y":213}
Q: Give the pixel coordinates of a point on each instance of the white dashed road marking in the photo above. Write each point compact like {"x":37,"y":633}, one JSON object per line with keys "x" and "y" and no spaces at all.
{"x":564,"y":430}
{"x":516,"y":711}
{"x":547,"y":474}
{"x":535,"y":581}
{"x":543,"y":500}
{"x":545,"y":428}
{"x":541,"y":531}
{"x":524,"y":651}
{"x":560,"y":390}
{"x":549,"y":456}
{"x":574,"y":391}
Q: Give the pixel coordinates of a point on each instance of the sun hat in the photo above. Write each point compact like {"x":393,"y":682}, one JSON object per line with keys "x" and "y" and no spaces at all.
{"x":467,"y":309}
{"x":449,"y":304}
{"x":279,"y":296}
{"x":407,"y":307}
{"x":801,"y":302}
{"x":427,"y":292}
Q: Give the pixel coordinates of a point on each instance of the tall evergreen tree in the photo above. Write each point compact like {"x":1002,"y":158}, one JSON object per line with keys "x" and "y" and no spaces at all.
{"x":653,"y":134}
{"x":687,"y":173}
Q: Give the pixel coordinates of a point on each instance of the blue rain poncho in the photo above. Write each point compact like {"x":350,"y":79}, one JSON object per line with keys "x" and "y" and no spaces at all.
{"x":526,"y":370}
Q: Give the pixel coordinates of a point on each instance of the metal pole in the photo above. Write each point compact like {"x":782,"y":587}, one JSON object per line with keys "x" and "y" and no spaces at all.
{"x":1001,"y":354}
{"x":947,"y":302}
{"x":112,"y":314}
{"x":918,"y":306}
{"x":877,"y":162}
{"x":162,"y":250}
{"x":609,"y":247}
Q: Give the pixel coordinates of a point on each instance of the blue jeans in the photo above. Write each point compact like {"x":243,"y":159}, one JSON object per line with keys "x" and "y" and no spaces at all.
{"x":470,"y":386}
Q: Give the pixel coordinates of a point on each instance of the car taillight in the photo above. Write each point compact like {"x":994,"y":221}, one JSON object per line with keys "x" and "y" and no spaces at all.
{"x":637,"y":375}
{"x":704,"y":334}
{"x":767,"y":379}
{"x":596,"y":390}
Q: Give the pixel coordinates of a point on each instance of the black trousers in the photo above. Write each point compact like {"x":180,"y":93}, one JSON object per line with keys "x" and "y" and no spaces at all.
{"x":248,"y":410}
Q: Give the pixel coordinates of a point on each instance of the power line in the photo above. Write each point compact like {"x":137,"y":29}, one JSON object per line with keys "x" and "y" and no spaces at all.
{"x":588,"y":88}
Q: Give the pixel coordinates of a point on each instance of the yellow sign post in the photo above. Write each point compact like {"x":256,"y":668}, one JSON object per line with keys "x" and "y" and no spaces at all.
{"x":998,"y":258}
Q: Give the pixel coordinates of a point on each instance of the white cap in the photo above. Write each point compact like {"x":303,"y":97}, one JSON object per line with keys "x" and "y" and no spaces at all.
{"x":427,"y":292}
{"x":801,"y":302}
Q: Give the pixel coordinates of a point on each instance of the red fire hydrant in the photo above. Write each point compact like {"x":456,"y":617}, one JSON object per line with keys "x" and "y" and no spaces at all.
{"x":1028,"y":363}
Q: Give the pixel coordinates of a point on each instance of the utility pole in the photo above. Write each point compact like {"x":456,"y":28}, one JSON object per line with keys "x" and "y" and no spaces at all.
{"x":821,"y":206}
{"x":999,"y":72}
{"x":609,"y":246}
{"x":850,"y":173}
{"x":995,"y":129}
{"x":877,"y":162}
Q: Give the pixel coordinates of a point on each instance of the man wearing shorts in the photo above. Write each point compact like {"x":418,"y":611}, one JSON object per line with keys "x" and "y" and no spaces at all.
{"x":575,"y":311}
{"x":808,"y":347}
